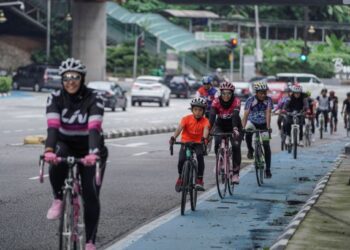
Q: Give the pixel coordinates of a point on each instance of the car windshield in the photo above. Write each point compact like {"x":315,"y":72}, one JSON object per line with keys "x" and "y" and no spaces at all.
{"x":178,"y":79}
{"x":100,"y":85}
{"x":147,"y":81}
{"x":277,"y":86}
{"x":285,"y":79}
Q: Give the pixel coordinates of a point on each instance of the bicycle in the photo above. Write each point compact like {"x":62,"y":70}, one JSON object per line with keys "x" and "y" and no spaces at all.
{"x":322,"y":121}
{"x":223,"y":170}
{"x":294,"y":133}
{"x":348,"y":125}
{"x":307,"y":131}
{"x":283,"y":134}
{"x":71,"y":226}
{"x":188,"y":175}
{"x":259,"y":155}
{"x":331,"y":122}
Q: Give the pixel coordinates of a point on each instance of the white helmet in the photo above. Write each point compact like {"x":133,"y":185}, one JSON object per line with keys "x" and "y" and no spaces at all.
{"x":260,"y":86}
{"x":199,"y":102}
{"x":296,"y":88}
{"x":72,"y":64}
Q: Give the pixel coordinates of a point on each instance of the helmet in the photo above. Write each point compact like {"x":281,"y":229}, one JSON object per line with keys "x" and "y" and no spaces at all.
{"x":287,"y":89}
{"x":348,"y":94}
{"x":308,"y":93}
{"x":324,"y":90}
{"x":331,"y":93}
{"x":199,"y":102}
{"x":218,"y":70}
{"x":227,"y":86}
{"x":207,"y":80}
{"x":260,"y":86}
{"x":72,"y":64}
{"x":296,"y":88}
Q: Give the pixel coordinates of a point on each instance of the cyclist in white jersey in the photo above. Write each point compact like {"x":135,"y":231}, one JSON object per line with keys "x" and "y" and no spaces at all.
{"x":323,"y":107}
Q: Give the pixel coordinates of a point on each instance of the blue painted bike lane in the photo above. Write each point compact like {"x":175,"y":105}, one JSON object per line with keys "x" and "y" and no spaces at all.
{"x":252,"y":218}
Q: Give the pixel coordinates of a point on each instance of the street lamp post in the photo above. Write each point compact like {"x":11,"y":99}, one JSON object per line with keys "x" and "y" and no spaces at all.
{"x":20,"y":3}
{"x":48,"y":30}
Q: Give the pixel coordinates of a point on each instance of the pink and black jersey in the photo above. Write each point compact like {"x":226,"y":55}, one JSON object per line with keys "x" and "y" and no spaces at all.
{"x":75,"y":120}
{"x":225,"y":115}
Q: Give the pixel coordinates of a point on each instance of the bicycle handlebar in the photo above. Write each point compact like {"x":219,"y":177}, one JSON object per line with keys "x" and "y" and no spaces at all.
{"x":189,"y":144}
{"x":214,"y":134}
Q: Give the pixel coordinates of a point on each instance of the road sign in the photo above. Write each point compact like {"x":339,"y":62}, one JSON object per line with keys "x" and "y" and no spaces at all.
{"x":215,"y":36}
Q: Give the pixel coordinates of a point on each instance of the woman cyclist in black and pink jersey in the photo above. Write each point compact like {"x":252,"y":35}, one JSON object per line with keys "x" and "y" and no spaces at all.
{"x":74,"y":118}
{"x":224,"y":114}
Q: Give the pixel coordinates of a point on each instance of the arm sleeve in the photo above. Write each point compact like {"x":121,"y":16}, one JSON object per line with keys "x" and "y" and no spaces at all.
{"x":212,"y":116}
{"x":95,"y":124}
{"x":306,"y":104}
{"x":236,"y":120}
{"x":53,"y":121}
{"x":286,"y":105}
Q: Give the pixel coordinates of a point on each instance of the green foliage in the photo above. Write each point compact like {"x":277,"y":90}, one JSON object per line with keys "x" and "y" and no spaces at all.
{"x":120,"y":60}
{"x":5,"y":84}
{"x":219,"y":57}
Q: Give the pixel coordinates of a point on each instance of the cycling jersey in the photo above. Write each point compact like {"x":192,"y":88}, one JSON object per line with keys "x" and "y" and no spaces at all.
{"x":346,"y":103}
{"x":296,"y":104}
{"x":227,"y":115}
{"x":333,"y":104}
{"x":75,"y":120}
{"x":208,"y":94}
{"x":282,"y":102}
{"x":311,"y":105}
{"x":323,"y":103}
{"x":257,"y":109}
{"x":192,"y":128}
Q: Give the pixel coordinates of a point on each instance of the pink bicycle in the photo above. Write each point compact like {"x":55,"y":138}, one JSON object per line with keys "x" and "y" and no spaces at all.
{"x":223,"y":170}
{"x":71,"y":227}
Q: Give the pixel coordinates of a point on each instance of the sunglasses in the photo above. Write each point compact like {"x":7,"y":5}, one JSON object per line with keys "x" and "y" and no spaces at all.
{"x":226,"y":93}
{"x":69,"y":77}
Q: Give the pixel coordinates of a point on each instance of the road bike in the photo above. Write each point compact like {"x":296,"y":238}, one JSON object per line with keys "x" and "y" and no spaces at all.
{"x":259,"y":154}
{"x":294,"y":133}
{"x":189,"y":175}
{"x":71,"y":226}
{"x":321,"y":119}
{"x":224,"y":167}
{"x":331,"y":122}
{"x":307,"y":131}
{"x":283,"y":134}
{"x":348,"y":125}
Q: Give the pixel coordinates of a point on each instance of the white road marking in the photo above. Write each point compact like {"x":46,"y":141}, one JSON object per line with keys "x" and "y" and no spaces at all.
{"x":139,"y":233}
{"x":6,"y":131}
{"x":19,"y":130}
{"x":129,"y":145}
{"x":157,"y":121}
{"x":37,"y":177}
{"x":29,"y":116}
{"x":142,"y":153}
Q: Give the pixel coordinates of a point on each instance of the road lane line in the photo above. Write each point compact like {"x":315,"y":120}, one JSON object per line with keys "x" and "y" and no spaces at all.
{"x":131,"y":238}
{"x":19,"y":130}
{"x":37,"y":177}
{"x":142,"y":153}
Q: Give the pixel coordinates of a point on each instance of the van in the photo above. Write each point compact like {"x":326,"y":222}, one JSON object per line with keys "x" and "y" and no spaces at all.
{"x":37,"y":77}
{"x":309,"y":82}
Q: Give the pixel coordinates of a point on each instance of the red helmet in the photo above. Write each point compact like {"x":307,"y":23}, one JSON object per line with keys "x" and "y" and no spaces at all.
{"x":227,"y":86}
{"x":331,"y":93}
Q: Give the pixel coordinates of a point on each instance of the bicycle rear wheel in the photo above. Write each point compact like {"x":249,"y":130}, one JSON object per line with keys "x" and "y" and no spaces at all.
{"x":193,"y":191}
{"x":321,"y":130}
{"x":185,"y":184}
{"x":66,"y":227}
{"x":283,"y":142}
{"x":295,"y":143}
{"x":331,"y":125}
{"x":259,"y":166}
{"x":220,"y":174}
{"x":230,"y":185}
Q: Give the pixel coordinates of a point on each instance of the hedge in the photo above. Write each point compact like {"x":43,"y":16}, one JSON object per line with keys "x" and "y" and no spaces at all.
{"x":5,"y":84}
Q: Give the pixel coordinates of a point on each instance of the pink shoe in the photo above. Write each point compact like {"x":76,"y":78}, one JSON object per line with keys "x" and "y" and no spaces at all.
{"x":90,"y":246}
{"x":235,"y":179}
{"x":55,"y":210}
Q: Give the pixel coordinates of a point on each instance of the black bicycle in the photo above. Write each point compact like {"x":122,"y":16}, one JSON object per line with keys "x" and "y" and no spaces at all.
{"x":189,"y":175}
{"x":295,"y":131}
{"x":71,"y":227}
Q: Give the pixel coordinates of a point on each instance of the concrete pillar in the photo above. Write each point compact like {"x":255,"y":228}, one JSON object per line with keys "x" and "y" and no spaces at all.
{"x":295,"y":32}
{"x":89,"y":37}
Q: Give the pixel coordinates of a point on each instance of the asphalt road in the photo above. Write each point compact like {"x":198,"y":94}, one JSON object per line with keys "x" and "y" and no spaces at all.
{"x":139,"y":182}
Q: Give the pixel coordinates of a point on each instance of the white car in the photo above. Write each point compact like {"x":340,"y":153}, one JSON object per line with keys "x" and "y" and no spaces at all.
{"x":150,"y":89}
{"x":309,"y":82}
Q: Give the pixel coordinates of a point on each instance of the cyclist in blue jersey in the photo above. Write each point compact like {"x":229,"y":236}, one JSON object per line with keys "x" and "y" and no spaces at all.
{"x":279,"y":107}
{"x":208,"y":92}
{"x":258,"y":112}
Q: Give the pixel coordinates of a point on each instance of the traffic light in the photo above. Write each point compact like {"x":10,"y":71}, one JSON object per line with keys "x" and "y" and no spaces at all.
{"x":232,"y":43}
{"x":304,"y":54}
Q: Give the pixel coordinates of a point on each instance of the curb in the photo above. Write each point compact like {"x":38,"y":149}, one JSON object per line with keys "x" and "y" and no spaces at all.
{"x":292,"y":227}
{"x":113,"y":134}
{"x":5,"y":94}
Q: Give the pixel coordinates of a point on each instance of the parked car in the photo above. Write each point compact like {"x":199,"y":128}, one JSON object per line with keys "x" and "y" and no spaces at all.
{"x":150,"y":89}
{"x":309,"y":82}
{"x":276,"y":90}
{"x":263,"y":78}
{"x":114,"y":95}
{"x":243,"y":90}
{"x":190,"y":79}
{"x":37,"y":77}
{"x":179,"y":86}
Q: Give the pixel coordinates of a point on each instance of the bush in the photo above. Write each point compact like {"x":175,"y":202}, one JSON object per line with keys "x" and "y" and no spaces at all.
{"x":5,"y":84}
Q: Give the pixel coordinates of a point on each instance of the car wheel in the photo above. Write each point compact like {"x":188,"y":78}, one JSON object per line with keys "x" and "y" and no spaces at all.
{"x":162,"y":103}
{"x":168,"y":102}
{"x":15,"y":86}
{"x":177,"y":96}
{"x":113,"y":109}
{"x":37,"y":87}
{"x":140,"y":104}
{"x":133,"y":104}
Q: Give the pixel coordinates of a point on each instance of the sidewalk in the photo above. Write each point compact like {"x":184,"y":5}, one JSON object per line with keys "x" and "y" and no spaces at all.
{"x":327,"y":225}
{"x":253,"y":218}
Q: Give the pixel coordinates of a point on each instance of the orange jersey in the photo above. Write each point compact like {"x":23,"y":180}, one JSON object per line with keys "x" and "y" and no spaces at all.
{"x":192,"y":128}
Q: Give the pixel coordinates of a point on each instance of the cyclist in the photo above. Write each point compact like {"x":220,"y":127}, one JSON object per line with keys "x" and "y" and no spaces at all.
{"x":346,"y":108}
{"x":333,"y":105}
{"x":225,"y":115}
{"x":74,"y":118}
{"x":257,"y":111}
{"x":208,"y":92}
{"x":298,"y":103}
{"x":311,"y":113}
{"x":193,"y":128}
{"x":281,"y":102}
{"x":323,"y":107}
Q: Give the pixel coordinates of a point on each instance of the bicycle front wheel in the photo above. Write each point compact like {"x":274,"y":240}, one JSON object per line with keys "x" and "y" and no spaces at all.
{"x":321,"y":130}
{"x":66,"y":227}
{"x":295,"y":143}
{"x":220,"y":174}
{"x":193,"y":191}
{"x":259,"y":166}
{"x":185,"y":184}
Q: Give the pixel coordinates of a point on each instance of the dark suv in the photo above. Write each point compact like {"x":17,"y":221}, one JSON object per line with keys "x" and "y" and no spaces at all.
{"x":37,"y":77}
